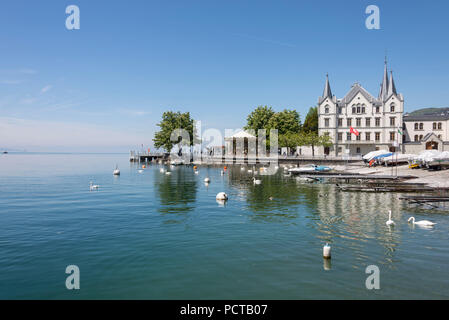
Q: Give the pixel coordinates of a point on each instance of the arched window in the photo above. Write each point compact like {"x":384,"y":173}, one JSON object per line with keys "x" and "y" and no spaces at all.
{"x":416,"y":126}
{"x":421,"y":126}
{"x":392,"y":107}
{"x":420,"y":137}
{"x":434,"y":126}
{"x":439,"y":125}
{"x":416,"y":138}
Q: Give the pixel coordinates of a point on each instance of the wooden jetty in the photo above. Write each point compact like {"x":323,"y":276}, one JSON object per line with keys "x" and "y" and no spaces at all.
{"x":425,"y":199}
{"x":354,"y":176}
{"x":392,"y":187}
{"x":146,"y":156}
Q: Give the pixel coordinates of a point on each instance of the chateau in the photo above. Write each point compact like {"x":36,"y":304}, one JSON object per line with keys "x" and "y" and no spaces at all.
{"x":377,"y":121}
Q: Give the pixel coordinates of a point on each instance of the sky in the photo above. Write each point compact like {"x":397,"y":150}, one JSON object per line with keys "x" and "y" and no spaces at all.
{"x":104,"y":87}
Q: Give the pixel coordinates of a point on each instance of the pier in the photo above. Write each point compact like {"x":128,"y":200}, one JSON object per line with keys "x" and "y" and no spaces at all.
{"x":135,"y":156}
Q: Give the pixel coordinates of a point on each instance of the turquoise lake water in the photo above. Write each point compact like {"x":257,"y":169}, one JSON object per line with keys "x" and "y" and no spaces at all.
{"x":152,"y":236}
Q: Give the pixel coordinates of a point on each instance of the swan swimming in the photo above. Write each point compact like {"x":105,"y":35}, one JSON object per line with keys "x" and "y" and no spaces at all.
{"x":255,"y":181}
{"x":116,"y":171}
{"x":197,"y":172}
{"x":425,"y":223}
{"x":207,"y":180}
{"x":93,"y":186}
{"x":221,"y":196}
{"x":389,"y":222}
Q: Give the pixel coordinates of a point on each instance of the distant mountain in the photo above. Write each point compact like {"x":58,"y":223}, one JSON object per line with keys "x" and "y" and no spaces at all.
{"x":428,"y":111}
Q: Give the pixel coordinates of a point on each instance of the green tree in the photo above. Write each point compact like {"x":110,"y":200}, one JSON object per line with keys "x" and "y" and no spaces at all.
{"x":314,"y":140}
{"x":311,"y":121}
{"x":286,"y":121}
{"x":290,"y":140}
{"x":259,"y":118}
{"x":170,"y":122}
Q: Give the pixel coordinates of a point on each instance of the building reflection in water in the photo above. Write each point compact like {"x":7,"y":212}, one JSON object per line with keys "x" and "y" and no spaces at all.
{"x":356,"y":218}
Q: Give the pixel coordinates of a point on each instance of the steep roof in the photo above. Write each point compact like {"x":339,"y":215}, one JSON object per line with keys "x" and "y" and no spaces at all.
{"x":391,"y":86}
{"x":384,"y":86}
{"x":327,"y":92}
{"x":355,"y":89}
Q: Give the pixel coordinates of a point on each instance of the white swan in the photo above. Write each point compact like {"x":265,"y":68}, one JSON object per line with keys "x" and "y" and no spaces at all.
{"x":93,"y":186}
{"x":197,"y":172}
{"x":168,"y":173}
{"x":425,"y":223}
{"x":221,"y":196}
{"x":161,"y":170}
{"x":116,"y":171}
{"x":222,"y":172}
{"x":255,"y":181}
{"x":389,"y":222}
{"x":207,"y":180}
{"x":140,"y":170}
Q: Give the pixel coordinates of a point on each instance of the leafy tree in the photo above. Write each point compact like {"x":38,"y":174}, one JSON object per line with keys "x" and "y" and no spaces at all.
{"x":259,"y":118}
{"x":311,"y":121}
{"x":325,"y":141}
{"x":286,"y":121}
{"x":290,"y":140}
{"x":170,"y":122}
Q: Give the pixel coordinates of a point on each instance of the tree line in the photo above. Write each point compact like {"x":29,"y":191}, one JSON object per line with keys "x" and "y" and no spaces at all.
{"x":291,"y":131}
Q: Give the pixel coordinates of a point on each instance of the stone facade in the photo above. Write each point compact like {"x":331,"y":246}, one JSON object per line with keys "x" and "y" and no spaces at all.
{"x":376,"y":119}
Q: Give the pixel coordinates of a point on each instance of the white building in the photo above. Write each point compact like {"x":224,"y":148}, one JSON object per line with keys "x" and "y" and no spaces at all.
{"x":376,"y":119}
{"x":426,"y":131}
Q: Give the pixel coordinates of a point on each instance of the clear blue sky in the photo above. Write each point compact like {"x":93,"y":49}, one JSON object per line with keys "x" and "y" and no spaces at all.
{"x":108,"y":83}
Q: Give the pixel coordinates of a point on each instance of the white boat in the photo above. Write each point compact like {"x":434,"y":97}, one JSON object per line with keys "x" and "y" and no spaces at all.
{"x":370,"y":155}
{"x":303,"y":169}
{"x":397,"y":158}
{"x":116,"y":171}
{"x":438,"y":161}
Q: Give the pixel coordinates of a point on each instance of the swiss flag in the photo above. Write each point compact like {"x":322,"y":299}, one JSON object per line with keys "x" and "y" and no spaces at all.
{"x":354,"y":131}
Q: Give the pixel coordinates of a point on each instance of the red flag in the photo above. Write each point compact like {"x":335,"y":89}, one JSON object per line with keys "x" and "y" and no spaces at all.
{"x":354,"y":131}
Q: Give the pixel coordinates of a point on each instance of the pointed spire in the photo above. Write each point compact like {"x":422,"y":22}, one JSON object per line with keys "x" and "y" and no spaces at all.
{"x":327,"y":93}
{"x":384,"y":87}
{"x":391,"y":86}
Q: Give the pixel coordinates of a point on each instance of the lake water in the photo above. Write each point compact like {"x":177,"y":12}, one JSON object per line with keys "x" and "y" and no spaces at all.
{"x":152,"y":236}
